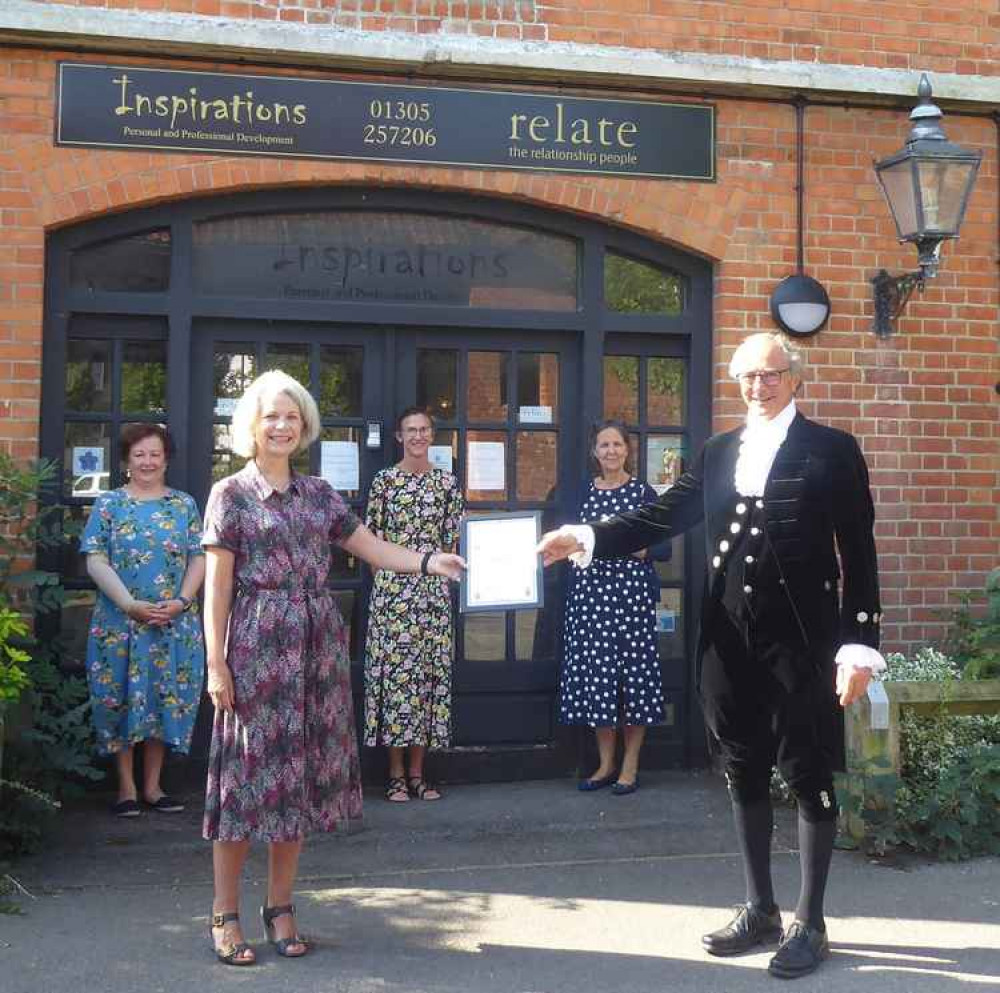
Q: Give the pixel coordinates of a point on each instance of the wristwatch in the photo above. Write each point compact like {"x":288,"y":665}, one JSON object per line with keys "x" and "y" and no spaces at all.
{"x":186,"y":601}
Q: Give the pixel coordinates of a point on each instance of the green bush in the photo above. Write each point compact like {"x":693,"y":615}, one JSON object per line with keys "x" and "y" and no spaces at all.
{"x":974,"y":631}
{"x":948,"y":804}
{"x":51,"y":752}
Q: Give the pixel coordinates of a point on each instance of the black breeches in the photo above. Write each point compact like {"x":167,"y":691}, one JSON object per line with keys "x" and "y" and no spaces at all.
{"x":768,"y":706}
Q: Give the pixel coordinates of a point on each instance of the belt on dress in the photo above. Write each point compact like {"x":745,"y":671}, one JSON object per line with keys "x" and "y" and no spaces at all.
{"x":294,"y":590}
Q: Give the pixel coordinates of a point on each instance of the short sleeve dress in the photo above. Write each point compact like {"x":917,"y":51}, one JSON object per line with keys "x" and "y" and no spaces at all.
{"x":145,"y":681}
{"x":611,"y":670}
{"x":410,"y":645}
{"x":284,"y":763}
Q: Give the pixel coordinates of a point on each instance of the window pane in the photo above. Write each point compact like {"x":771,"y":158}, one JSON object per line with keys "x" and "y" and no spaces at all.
{"x":664,"y":460}
{"x":621,"y":388}
{"x":485,"y":465}
{"x":670,"y":623}
{"x":88,"y":375}
{"x":665,"y":382}
{"x":74,"y":626}
{"x":437,"y":381}
{"x":224,"y":462}
{"x":444,"y":453}
{"x":71,"y":562}
{"x":673,"y":569}
{"x":290,"y":359}
{"x":234,"y":367}
{"x":526,"y":635}
{"x":340,"y":381}
{"x":537,"y":388}
{"x":385,"y":257}
{"x":144,"y":377}
{"x":139,"y":263}
{"x":637,"y":287}
{"x":487,"y":388}
{"x":340,"y":464}
{"x":349,"y":604}
{"x":87,"y":460}
{"x":536,"y":465}
{"x":342,"y":565}
{"x":485,"y":637}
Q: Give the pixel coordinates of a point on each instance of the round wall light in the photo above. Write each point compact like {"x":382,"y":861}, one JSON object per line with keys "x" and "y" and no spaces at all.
{"x":800,"y":305}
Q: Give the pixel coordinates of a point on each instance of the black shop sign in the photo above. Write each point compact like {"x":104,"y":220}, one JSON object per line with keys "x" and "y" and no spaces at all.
{"x":106,"y":106}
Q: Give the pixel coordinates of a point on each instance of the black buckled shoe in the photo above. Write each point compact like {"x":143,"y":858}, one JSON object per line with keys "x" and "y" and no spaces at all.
{"x":748,"y":929}
{"x":800,"y":953}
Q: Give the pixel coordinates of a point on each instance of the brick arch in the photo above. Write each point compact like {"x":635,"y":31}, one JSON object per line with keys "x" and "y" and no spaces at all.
{"x":73,"y":187}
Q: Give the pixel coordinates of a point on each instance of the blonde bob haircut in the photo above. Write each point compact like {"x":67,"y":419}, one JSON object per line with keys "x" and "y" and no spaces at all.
{"x":246,"y":416}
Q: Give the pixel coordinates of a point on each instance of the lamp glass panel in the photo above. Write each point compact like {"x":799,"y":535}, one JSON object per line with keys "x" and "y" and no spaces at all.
{"x":897,"y":184}
{"x":802,"y":317}
{"x":943,"y":185}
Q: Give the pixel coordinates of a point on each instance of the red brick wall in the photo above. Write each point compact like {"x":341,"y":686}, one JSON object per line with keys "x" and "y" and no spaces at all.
{"x":907,"y":34}
{"x":920,"y":402}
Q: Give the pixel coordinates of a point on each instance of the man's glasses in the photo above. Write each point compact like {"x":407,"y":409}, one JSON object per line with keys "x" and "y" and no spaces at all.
{"x":417,"y":432}
{"x":767,"y":377}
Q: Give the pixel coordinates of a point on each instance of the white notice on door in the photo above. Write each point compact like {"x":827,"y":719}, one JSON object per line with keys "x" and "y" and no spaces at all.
{"x":486,"y":466}
{"x":339,"y":464}
{"x":439,"y":456}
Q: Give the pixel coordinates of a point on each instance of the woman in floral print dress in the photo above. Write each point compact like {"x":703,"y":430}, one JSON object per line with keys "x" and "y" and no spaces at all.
{"x":283,"y":760}
{"x":409,"y":648}
{"x":145,"y":655}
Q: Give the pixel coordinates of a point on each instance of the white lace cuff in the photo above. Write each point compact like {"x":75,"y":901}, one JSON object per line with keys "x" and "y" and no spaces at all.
{"x":860,"y":657}
{"x":584,"y":534}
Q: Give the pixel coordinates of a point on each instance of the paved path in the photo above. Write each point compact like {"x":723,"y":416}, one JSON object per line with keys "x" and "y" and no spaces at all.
{"x":509,"y":888}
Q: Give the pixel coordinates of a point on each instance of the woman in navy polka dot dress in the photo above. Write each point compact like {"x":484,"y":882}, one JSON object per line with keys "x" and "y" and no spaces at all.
{"x":611,"y":671}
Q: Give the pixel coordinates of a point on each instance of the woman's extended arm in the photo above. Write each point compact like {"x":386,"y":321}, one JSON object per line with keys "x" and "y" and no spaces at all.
{"x":381,"y":554}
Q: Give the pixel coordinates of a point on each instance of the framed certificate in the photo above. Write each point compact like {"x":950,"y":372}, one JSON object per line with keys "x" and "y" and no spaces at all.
{"x":503,"y":570}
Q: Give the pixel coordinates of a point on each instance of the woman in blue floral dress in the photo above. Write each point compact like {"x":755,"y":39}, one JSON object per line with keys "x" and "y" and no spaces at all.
{"x":284,"y":760}
{"x":145,"y":654}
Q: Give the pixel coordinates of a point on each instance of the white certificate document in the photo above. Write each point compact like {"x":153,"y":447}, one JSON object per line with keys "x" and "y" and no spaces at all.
{"x":504,"y":572}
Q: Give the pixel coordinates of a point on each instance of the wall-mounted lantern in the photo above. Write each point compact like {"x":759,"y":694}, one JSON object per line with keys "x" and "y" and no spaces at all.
{"x":927,"y":187}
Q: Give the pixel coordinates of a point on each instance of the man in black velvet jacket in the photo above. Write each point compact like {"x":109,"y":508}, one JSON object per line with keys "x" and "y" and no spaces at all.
{"x":792,"y":596}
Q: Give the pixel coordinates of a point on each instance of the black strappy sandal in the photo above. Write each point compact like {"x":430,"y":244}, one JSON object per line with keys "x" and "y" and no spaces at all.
{"x":229,"y":953}
{"x":396,"y":791}
{"x":418,"y":788}
{"x":281,"y":945}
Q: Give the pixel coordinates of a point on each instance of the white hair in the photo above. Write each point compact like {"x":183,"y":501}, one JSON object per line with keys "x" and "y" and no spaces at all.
{"x":793,"y":356}
{"x":248,"y":409}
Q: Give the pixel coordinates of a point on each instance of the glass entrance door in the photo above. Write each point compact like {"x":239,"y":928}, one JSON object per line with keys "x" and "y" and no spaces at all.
{"x":504,"y":406}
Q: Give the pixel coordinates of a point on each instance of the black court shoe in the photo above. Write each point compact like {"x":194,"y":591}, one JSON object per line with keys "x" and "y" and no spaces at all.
{"x":802,"y":951}
{"x":748,"y":929}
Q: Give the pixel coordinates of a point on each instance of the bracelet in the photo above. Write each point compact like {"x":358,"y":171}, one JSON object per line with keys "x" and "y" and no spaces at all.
{"x":186,"y":601}
{"x":424,"y":562}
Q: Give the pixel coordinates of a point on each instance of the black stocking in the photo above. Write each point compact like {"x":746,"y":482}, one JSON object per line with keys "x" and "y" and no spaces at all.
{"x":815,"y":852}
{"x":754,"y":827}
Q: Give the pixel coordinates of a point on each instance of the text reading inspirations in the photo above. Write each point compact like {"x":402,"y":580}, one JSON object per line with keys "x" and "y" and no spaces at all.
{"x":138,"y":107}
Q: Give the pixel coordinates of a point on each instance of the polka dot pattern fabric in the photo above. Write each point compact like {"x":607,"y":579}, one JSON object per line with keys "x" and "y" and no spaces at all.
{"x":611,"y":671}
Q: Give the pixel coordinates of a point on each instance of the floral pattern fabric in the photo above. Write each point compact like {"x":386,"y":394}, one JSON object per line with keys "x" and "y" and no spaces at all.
{"x":410,"y":645}
{"x":284,"y":763}
{"x":145,"y":681}
{"x":611,"y":670}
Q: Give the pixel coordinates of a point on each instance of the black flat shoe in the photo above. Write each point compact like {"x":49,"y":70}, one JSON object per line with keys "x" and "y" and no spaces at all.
{"x":589,"y":785}
{"x":126,"y":808}
{"x":166,"y":805}
{"x":748,"y":929}
{"x":802,"y":951}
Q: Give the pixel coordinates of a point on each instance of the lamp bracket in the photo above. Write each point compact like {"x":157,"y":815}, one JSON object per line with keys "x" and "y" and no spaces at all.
{"x":891,"y":294}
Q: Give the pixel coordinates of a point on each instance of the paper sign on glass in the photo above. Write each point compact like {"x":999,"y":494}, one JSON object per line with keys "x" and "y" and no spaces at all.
{"x":439,"y":456}
{"x":504,"y":572}
{"x":486,"y":466}
{"x":339,"y":465}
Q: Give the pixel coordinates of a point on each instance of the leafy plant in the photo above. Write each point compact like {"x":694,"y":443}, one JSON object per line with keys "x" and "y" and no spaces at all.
{"x":948,"y":803}
{"x":974,"y":633}
{"x":51,"y":752}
